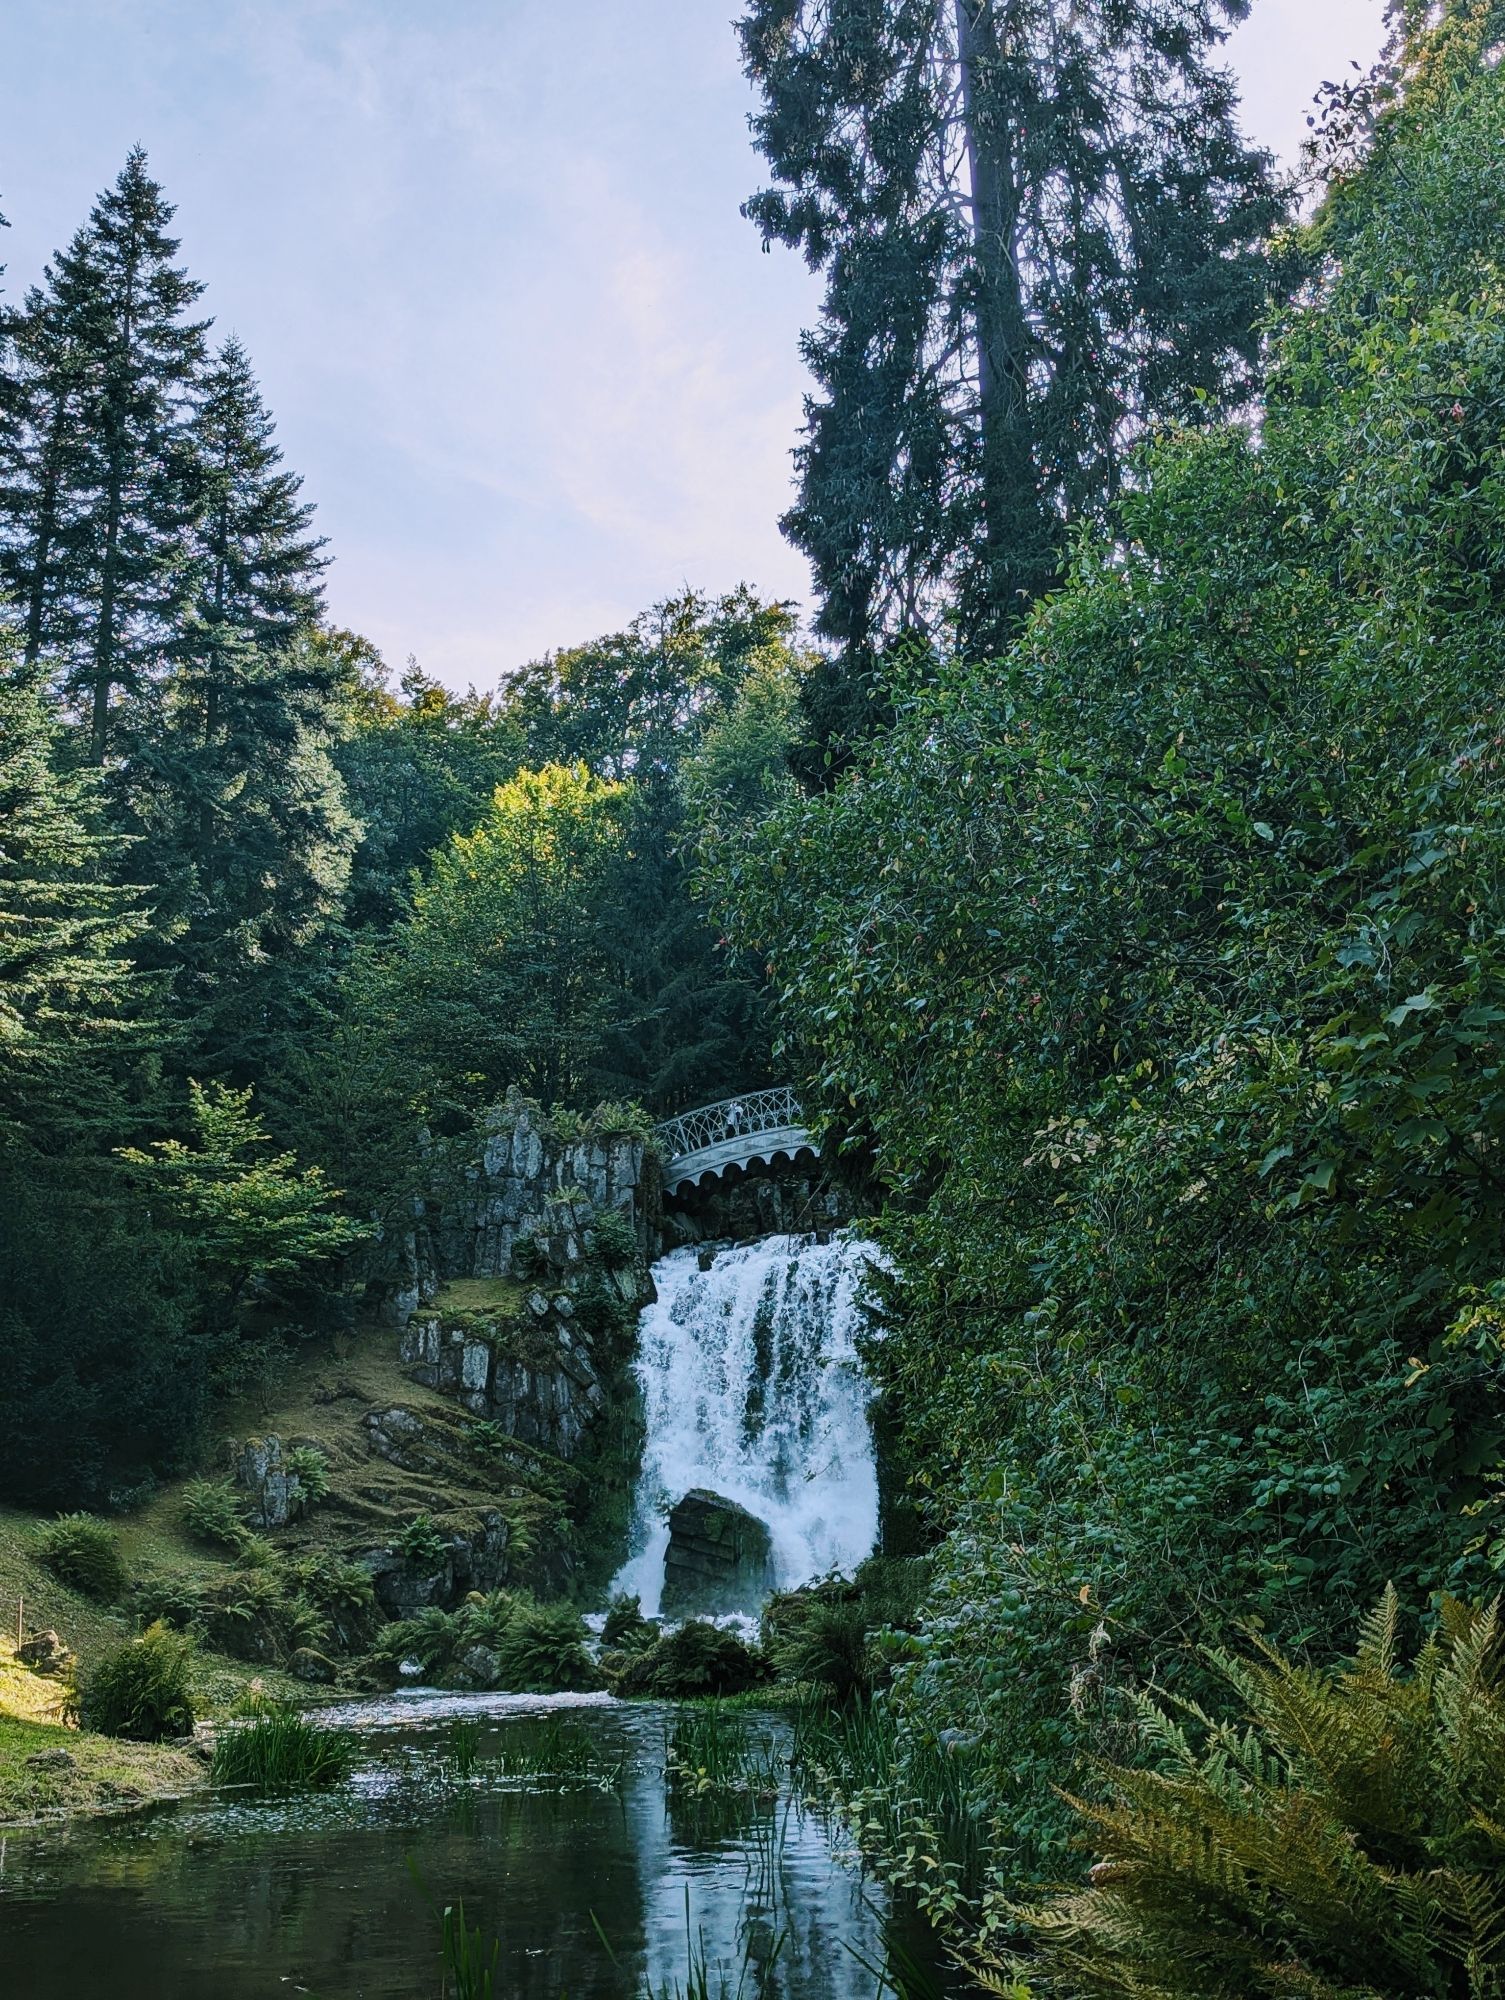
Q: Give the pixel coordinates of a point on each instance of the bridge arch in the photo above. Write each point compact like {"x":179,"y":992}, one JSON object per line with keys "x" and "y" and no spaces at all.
{"x":760,"y":1127}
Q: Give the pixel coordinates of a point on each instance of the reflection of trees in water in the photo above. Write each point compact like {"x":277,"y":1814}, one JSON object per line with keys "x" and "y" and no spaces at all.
{"x":232,"y":1901}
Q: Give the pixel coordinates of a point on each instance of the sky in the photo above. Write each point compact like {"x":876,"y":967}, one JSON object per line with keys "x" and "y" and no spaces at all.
{"x":533,"y":365}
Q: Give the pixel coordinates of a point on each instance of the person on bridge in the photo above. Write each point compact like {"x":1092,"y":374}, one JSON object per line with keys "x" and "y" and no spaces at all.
{"x":734,"y":1118}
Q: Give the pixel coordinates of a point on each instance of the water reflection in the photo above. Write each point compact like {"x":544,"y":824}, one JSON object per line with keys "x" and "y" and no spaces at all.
{"x":229,"y":1900}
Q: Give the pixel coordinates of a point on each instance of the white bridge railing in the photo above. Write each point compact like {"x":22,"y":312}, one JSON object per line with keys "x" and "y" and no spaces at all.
{"x":731,"y":1133}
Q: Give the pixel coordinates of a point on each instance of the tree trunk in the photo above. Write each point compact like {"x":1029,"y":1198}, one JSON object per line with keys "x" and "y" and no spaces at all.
{"x":36,"y":598}
{"x":1019,"y":552}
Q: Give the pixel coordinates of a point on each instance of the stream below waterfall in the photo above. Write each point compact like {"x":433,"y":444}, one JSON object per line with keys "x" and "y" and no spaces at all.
{"x":752,"y":1389}
{"x":220,"y":1898}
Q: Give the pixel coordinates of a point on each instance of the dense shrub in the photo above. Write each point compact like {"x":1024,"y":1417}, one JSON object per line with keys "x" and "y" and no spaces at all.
{"x":432,"y":1637}
{"x":538,"y":1648}
{"x":1339,"y":1832}
{"x":212,"y":1513}
{"x":84,"y":1553}
{"x":820,"y":1636}
{"x":542,"y":1651}
{"x":164,"y":1596}
{"x":339,"y":1592}
{"x":311,"y":1469}
{"x":626,"y":1626}
{"x":699,"y":1658}
{"x":612,"y":1238}
{"x":142,"y":1689}
{"x":421,"y":1545}
{"x":1159,"y":962}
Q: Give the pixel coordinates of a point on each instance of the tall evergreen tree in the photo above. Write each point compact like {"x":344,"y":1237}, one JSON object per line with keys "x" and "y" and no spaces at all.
{"x":240,"y":688}
{"x":66,"y":978}
{"x":244,"y":825}
{"x":1040,"y":230}
{"x":97,"y":497}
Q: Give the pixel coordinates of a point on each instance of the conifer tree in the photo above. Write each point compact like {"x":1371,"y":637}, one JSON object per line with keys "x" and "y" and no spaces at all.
{"x":66,"y":978}
{"x":96,"y":497}
{"x":240,"y":689}
{"x":1040,"y":230}
{"x":244,"y":824}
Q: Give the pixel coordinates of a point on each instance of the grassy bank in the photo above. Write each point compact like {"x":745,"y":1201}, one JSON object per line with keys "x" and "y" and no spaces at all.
{"x":79,"y":1771}
{"x":47,"y":1767}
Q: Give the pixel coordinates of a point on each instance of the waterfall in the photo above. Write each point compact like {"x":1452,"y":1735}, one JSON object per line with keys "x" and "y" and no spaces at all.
{"x":752,"y":1388}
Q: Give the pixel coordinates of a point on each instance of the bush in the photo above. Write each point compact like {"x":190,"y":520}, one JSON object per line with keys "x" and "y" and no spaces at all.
{"x":421,"y":1545}
{"x":340,"y":1592}
{"x":212,"y":1513}
{"x":245,"y":1614}
{"x":530,"y":1258}
{"x":140,"y":1690}
{"x":280,"y":1750}
{"x":699,"y":1658}
{"x":311,"y":1469}
{"x":431,"y":1637}
{"x":83,"y":1552}
{"x":612,"y":1237}
{"x":1343,"y":1832}
{"x":542,"y":1651}
{"x":166,"y":1597}
{"x":820,"y":1636}
{"x":626,"y":1627}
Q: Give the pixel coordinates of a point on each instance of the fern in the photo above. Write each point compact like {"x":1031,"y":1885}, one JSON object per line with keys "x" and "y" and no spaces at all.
{"x":1343,"y":1839}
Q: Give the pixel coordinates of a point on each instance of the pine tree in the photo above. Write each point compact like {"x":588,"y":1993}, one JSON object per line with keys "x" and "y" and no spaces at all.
{"x":240,"y":689}
{"x":1039,"y":226}
{"x":245,"y":830}
{"x":96,"y":497}
{"x":66,"y":981}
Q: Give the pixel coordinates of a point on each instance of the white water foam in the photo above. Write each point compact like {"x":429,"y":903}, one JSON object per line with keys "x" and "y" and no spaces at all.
{"x":752,"y":1387}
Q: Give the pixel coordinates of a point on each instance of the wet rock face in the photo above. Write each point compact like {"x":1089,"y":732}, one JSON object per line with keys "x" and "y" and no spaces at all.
{"x":766,"y":1201}
{"x":719,"y":1558}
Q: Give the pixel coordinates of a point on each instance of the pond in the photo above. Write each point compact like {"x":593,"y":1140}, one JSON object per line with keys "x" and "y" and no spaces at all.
{"x":599,"y":1875}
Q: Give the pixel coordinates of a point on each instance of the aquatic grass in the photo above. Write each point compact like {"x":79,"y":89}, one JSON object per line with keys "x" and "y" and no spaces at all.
{"x":469,"y":1969}
{"x":280,"y":1750}
{"x":462,"y":1748}
{"x":556,"y":1753}
{"x":911,"y":1801}
{"x":708,"y":1749}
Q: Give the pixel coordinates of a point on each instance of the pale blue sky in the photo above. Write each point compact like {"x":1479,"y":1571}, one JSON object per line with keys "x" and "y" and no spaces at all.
{"x":487,"y":257}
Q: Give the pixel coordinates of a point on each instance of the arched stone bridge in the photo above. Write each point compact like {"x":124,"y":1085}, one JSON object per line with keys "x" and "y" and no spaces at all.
{"x":762,"y":1126}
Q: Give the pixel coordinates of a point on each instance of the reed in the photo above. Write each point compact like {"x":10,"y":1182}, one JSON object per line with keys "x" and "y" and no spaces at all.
{"x":556,"y":1753}
{"x":912,"y":1801}
{"x":709,"y":1749}
{"x":469,"y":1962}
{"x":462,"y":1748}
{"x":280,"y":1750}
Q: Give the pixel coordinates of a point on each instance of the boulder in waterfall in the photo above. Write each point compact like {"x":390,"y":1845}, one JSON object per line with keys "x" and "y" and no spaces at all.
{"x":720,"y":1557}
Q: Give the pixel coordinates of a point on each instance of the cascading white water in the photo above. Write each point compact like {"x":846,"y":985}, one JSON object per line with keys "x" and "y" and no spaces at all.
{"x":752,"y":1387}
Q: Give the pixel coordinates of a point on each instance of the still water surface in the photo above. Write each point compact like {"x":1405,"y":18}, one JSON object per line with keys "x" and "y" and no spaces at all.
{"x":224,"y":1899}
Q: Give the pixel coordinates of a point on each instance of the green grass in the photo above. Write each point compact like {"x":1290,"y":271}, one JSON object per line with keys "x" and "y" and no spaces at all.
{"x":102,"y":1771}
{"x":462,"y":1748}
{"x":500,"y":1296}
{"x":710,"y":1748}
{"x":555,"y":1752}
{"x":282,"y":1751}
